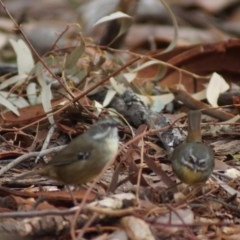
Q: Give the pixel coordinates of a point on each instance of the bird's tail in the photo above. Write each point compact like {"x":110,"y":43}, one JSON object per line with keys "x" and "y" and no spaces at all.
{"x":34,"y":172}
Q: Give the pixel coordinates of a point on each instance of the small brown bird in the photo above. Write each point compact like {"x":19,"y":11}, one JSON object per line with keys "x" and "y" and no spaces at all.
{"x":193,"y":160}
{"x":84,"y":157}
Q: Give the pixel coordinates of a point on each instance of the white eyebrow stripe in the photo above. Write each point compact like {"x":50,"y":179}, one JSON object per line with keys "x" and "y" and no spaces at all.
{"x":100,"y":135}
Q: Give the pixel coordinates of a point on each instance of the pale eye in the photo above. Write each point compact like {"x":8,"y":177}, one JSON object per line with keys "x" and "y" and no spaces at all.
{"x":83,"y":155}
{"x":202,"y":162}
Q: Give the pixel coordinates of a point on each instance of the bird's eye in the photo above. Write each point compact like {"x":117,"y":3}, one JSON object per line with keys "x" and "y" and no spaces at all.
{"x":83,"y":155}
{"x":106,"y":125}
{"x":202,"y":162}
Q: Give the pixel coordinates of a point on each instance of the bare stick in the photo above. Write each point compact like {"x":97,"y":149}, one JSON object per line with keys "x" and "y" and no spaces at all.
{"x":26,"y":156}
{"x":46,"y":142}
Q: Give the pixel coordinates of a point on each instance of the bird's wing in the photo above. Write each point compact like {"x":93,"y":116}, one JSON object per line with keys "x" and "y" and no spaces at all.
{"x":75,"y":151}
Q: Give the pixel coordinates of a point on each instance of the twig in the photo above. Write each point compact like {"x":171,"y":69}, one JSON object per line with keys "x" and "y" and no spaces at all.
{"x":36,"y":213}
{"x":28,"y":155}
{"x":233,"y":208}
{"x":112,"y":212}
{"x":33,"y":49}
{"x":46,"y":141}
{"x":226,"y":187}
{"x":193,"y":103}
{"x":87,"y":225}
{"x":59,"y":37}
{"x":81,"y":95}
{"x":181,"y":218}
{"x":139,"y":176}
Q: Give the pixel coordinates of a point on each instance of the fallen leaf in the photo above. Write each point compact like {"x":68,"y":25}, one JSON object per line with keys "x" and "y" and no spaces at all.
{"x":216,"y":86}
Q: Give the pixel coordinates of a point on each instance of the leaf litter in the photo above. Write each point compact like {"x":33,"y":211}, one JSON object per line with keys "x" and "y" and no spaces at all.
{"x":150,"y":91}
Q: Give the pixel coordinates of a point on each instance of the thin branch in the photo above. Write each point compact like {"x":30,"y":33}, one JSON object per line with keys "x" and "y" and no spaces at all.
{"x":28,"y":155}
{"x":46,"y":141}
{"x":81,"y":95}
{"x":18,"y":27}
{"x":36,"y":213}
